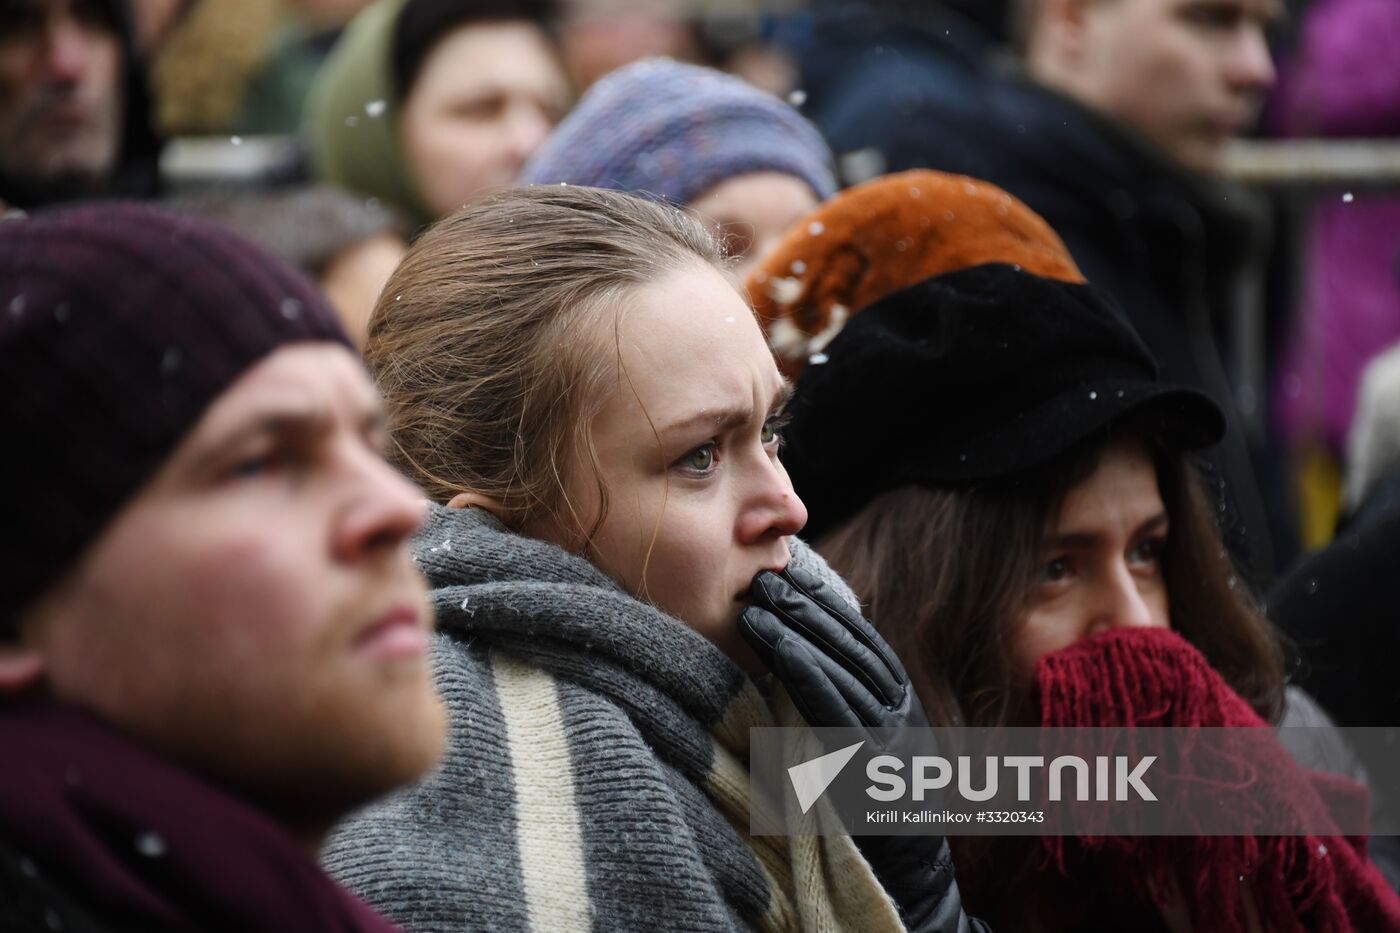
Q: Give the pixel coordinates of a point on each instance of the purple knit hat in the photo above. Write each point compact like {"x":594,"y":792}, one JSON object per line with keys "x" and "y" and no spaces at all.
{"x":119,"y":325}
{"x":663,"y":128}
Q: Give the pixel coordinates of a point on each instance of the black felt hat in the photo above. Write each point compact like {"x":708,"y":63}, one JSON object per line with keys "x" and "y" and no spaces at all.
{"x":972,"y":376}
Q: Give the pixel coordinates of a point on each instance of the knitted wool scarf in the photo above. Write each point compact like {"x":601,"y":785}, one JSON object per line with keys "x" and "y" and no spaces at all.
{"x":596,"y":772}
{"x":1155,"y":678}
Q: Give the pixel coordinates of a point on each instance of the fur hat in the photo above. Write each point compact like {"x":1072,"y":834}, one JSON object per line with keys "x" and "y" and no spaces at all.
{"x":885,"y":235}
{"x":671,"y":130}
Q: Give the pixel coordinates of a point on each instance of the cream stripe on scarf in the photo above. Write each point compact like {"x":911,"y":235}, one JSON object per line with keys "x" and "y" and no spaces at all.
{"x":547,"y":829}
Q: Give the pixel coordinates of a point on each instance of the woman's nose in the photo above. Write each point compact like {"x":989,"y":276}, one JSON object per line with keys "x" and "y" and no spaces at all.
{"x":1120,"y":600}
{"x":774,"y":510}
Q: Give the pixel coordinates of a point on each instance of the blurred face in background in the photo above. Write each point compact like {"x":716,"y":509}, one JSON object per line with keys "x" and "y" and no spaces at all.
{"x":485,"y":98}
{"x":61,"y":100}
{"x":1189,"y":75}
{"x":598,"y":36}
{"x":750,"y":213}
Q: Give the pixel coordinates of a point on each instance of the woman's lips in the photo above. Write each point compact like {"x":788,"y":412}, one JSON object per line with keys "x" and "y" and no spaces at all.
{"x":399,"y":633}
{"x":743,"y":595}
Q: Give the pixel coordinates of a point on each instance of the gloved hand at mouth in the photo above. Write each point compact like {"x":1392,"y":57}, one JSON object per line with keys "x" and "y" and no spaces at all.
{"x":841,"y":673}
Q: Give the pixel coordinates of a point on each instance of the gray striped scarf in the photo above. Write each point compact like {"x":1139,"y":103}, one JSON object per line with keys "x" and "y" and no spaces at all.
{"x":596,"y":774}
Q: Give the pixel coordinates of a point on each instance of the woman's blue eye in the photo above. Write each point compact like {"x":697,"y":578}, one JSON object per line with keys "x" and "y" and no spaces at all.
{"x":701,"y":459}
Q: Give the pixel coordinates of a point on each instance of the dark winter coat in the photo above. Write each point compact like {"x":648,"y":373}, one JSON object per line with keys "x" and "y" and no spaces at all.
{"x":1171,"y":247}
{"x":1338,"y":605}
{"x":870,"y":62}
{"x":98,"y":835}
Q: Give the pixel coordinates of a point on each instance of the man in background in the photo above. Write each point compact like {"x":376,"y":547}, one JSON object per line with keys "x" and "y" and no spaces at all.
{"x":74,"y":106}
{"x":1112,"y":122}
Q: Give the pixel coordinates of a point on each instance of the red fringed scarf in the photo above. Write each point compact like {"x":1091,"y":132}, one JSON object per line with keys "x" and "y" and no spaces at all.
{"x":1310,"y":884}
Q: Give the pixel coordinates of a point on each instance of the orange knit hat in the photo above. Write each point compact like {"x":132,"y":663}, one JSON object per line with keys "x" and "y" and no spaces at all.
{"x":883,"y":236}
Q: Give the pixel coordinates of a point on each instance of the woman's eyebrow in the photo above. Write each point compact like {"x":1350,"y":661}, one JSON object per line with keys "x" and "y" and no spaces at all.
{"x":782,"y":396}
{"x":723,"y":419}
{"x":1079,"y":540}
{"x":718,"y":419}
{"x":1156,"y":522}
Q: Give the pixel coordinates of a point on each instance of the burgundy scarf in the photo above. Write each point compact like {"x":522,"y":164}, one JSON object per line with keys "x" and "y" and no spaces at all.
{"x":1155,"y":678}
{"x":145,"y":845}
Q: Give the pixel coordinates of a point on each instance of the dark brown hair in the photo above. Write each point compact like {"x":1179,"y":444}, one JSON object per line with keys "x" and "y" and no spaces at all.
{"x":946,"y":572}
{"x":489,"y":341}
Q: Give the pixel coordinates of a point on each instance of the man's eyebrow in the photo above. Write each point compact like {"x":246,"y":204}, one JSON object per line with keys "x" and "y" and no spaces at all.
{"x":724,"y":419}
{"x":306,"y":421}
{"x":1075,"y":540}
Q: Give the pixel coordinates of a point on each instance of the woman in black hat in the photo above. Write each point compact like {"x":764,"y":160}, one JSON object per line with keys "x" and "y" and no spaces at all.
{"x":989,"y":459}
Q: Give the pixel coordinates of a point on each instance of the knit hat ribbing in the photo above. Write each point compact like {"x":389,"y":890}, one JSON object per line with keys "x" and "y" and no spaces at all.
{"x":119,"y":325}
{"x":887,"y":234}
{"x":673,"y":130}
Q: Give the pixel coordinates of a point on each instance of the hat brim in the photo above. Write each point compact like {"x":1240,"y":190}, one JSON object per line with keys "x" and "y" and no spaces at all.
{"x":1184,"y":419}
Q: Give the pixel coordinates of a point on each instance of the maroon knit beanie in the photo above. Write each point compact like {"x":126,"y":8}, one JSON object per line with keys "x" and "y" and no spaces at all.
{"x":119,"y":325}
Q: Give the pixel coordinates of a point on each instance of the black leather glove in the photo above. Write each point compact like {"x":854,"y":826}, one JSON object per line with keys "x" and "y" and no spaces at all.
{"x":841,"y":673}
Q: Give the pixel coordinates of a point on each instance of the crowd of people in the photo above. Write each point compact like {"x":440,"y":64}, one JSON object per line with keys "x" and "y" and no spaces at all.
{"x":411,"y":538}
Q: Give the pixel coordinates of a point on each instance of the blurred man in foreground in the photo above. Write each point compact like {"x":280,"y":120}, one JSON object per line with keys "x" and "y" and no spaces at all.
{"x":212,"y":640}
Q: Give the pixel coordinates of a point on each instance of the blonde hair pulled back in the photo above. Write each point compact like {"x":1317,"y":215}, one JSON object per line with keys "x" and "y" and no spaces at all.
{"x":489,"y":342}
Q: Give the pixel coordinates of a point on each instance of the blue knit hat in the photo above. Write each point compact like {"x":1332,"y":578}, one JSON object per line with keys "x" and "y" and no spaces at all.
{"x":663,"y":128}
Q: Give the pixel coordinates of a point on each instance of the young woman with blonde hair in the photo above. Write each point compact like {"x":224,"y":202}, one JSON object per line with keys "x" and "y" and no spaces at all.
{"x":591,"y":407}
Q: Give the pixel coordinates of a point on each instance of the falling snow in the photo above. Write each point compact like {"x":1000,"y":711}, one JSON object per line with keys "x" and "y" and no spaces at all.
{"x":150,"y":844}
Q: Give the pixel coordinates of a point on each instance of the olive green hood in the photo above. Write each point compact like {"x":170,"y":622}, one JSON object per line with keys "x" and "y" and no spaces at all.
{"x":352,"y":115}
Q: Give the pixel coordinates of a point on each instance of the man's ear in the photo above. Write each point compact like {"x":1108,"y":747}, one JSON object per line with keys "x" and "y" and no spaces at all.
{"x":21,"y":667}
{"x":469,"y":500}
